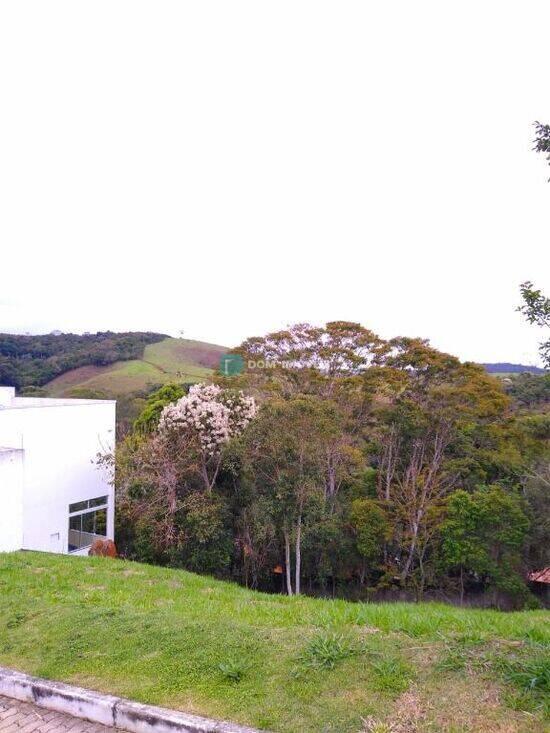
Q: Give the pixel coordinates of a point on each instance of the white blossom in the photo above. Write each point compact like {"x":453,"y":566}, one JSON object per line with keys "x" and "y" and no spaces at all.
{"x":215,"y":415}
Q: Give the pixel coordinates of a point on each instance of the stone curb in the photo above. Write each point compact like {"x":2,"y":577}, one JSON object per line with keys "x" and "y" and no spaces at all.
{"x":108,"y":709}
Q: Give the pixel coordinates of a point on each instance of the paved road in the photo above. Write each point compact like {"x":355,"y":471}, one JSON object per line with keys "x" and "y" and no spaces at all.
{"x":22,"y":717}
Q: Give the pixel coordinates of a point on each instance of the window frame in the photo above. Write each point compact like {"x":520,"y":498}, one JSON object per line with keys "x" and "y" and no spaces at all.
{"x":88,"y":510}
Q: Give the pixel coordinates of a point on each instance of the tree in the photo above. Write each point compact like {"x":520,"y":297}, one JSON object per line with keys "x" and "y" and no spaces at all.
{"x":327,"y":362}
{"x":542,"y":139}
{"x":536,"y":306}
{"x":530,"y":390}
{"x":483,"y":534}
{"x":371,"y":526}
{"x":344,"y":474}
{"x":311,"y":359}
{"x":165,"y":479}
{"x":208,"y":417}
{"x":286,"y":454}
{"x":460,"y":544}
{"x":536,"y":309}
{"x":149,"y":417}
{"x":436,"y":415}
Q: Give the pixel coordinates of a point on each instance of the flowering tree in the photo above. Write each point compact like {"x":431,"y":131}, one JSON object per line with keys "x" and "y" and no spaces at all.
{"x":208,"y":417}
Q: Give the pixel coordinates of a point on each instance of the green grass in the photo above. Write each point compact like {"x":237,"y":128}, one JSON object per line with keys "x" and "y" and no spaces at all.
{"x":170,"y":360}
{"x":172,"y":638}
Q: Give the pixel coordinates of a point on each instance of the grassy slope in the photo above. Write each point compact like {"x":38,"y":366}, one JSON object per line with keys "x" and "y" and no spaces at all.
{"x":159,"y":635}
{"x":170,"y":360}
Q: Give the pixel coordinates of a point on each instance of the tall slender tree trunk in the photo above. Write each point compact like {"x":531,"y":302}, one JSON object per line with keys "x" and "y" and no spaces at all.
{"x":298,"y":555}
{"x":415,"y":529}
{"x":287,"y":563}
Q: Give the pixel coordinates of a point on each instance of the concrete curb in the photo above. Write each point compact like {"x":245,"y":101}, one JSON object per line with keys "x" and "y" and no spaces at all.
{"x":108,"y":709}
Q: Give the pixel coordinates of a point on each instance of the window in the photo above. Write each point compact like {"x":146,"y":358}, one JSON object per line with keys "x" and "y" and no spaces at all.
{"x":81,"y":505}
{"x":87,"y":522}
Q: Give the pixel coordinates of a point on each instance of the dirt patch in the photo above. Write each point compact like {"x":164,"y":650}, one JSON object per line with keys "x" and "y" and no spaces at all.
{"x":473,"y":705}
{"x":409,"y":716}
{"x":75,"y":377}
{"x":457,"y":706}
{"x":366,"y":630}
{"x":205,"y":356}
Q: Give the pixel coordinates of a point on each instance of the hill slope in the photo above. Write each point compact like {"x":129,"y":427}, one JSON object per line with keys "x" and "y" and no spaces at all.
{"x":505,"y":367}
{"x":34,"y":360}
{"x":169,"y":360}
{"x":172,"y":638}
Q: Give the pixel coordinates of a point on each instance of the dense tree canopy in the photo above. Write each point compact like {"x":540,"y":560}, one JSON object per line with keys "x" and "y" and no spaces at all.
{"x":369,"y":464}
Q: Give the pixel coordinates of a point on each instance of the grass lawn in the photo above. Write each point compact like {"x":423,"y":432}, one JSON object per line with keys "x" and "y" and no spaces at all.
{"x":184,"y":641}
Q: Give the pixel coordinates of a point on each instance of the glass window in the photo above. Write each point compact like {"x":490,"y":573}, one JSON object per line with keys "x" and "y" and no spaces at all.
{"x":87,"y":525}
{"x":79,"y":506}
{"x":101,"y":501}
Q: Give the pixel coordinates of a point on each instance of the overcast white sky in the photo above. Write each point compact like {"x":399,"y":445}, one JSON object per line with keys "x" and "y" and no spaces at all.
{"x":228,"y":168}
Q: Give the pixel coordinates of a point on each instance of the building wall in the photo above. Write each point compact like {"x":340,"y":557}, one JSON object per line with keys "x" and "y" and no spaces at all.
{"x":60,"y":440}
{"x":11,"y":499}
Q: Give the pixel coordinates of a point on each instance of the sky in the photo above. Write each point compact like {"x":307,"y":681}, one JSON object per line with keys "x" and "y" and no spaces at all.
{"x":224,"y":169}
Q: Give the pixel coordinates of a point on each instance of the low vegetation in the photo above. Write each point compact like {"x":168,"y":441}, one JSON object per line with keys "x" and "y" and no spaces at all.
{"x":298,"y":664}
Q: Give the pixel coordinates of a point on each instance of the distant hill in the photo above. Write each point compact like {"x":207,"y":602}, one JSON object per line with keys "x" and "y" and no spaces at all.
{"x":34,"y":360}
{"x":504,"y":367}
{"x":168,"y":360}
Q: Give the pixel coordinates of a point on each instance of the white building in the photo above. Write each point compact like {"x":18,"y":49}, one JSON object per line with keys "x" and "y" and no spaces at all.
{"x":53,"y":496}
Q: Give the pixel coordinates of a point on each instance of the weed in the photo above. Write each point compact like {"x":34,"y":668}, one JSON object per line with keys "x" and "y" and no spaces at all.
{"x":371,"y":725}
{"x":531,"y":677}
{"x":454,"y":660}
{"x":532,"y":674}
{"x":391,"y":674}
{"x":326,"y":649}
{"x":16,"y":620}
{"x":234,"y":669}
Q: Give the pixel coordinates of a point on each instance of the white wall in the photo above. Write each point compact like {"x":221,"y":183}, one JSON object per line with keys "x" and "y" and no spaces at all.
{"x":6,"y":396}
{"x":11,"y":499}
{"x":61,"y":440}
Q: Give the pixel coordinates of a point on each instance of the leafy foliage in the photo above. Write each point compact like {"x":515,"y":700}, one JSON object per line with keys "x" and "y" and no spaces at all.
{"x":369,"y":465}
{"x":530,"y":390}
{"x":484,"y":533}
{"x":234,"y":670}
{"x":536,"y":309}
{"x":35,"y":360}
{"x":149,"y":417}
{"x":542,"y":139}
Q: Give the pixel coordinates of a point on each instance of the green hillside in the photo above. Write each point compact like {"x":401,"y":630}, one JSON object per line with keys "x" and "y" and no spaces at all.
{"x":31,"y":361}
{"x":299,"y":664}
{"x":169,"y":360}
